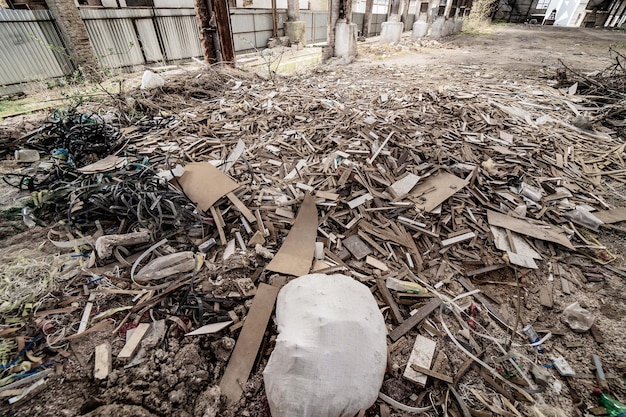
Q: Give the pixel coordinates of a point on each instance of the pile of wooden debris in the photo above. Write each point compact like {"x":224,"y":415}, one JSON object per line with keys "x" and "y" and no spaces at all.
{"x":474,"y":212}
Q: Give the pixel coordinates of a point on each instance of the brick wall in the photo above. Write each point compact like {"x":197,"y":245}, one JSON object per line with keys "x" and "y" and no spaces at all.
{"x":74,"y":35}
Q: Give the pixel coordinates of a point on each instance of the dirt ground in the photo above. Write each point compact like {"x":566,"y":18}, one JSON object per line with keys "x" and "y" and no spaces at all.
{"x":179,"y":375}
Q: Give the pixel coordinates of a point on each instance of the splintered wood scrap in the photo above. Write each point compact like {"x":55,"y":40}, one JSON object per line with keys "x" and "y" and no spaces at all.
{"x":415,"y":319}
{"x":458,"y":239}
{"x":388,"y":298}
{"x":132,"y":344}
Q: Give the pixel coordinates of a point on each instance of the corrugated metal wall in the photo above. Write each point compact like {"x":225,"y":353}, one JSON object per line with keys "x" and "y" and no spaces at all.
{"x":253,"y":27}
{"x":130,"y":38}
{"x":31,"y":49}
{"x":375,"y":25}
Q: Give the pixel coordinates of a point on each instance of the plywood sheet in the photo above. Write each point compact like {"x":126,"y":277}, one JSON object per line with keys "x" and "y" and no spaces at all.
{"x":436,"y":189}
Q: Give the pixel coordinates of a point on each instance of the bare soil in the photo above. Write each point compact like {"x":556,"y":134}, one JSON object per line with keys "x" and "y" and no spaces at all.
{"x":179,"y":376}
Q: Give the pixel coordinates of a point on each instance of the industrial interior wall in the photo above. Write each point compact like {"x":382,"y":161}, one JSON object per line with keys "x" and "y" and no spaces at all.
{"x":514,"y":11}
{"x":267,"y":4}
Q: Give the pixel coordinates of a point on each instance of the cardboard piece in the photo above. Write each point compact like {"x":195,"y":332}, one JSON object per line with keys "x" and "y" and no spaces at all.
{"x":549,"y":233}
{"x":204,"y":184}
{"x":245,"y":352}
{"x":436,"y":189}
{"x":295,"y":256}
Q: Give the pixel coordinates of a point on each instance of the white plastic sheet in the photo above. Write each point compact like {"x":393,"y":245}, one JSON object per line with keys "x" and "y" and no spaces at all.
{"x":331,"y":351}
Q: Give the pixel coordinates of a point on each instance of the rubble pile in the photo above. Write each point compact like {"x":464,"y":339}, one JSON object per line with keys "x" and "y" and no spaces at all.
{"x":475,"y":213}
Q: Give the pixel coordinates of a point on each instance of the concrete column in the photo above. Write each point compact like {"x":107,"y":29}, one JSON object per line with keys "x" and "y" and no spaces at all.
{"x":391,"y":30}
{"x":75,"y":37}
{"x":345,"y":39}
{"x":295,"y":29}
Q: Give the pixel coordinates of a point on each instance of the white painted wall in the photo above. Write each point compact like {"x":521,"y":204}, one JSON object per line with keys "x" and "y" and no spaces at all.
{"x":380,"y":6}
{"x":567,"y":11}
{"x":267,"y":4}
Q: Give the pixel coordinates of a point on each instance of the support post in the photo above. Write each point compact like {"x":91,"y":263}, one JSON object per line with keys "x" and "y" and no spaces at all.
{"x":207,"y":32}
{"x":367,"y":19}
{"x":294,"y":27}
{"x":224,"y":31}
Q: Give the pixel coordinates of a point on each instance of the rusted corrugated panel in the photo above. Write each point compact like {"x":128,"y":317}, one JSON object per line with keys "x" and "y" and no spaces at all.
{"x":30,"y":47}
{"x":179,"y":32}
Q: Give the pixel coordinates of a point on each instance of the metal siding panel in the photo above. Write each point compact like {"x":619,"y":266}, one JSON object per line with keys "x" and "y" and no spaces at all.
{"x":179,"y":37}
{"x":242,"y":23}
{"x":149,"y":40}
{"x":243,"y":41}
{"x":261,"y":38}
{"x":263,"y":22}
{"x":28,"y":43}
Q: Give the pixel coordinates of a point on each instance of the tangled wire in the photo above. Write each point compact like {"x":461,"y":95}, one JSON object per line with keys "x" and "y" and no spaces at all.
{"x":86,"y":138}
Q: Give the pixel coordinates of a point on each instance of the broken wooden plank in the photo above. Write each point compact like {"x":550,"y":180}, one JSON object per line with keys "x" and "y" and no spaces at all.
{"x":403,"y":186}
{"x":431,"y":373}
{"x":247,"y":346}
{"x":421,"y":356}
{"x":415,"y":319}
{"x":545,"y":232}
{"x":458,"y":239}
{"x":545,"y":295}
{"x":597,"y":336}
{"x":371,"y":261}
{"x":210,"y":328}
{"x":484,"y":270}
{"x":355,"y":245}
{"x":388,"y":298}
{"x":243,"y":209}
{"x":132,"y":344}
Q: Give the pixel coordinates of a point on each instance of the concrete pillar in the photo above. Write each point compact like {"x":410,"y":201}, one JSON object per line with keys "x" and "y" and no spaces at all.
{"x":295,"y":28}
{"x":75,"y":37}
{"x":420,"y":29}
{"x":391,"y":30}
{"x":345,"y":39}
